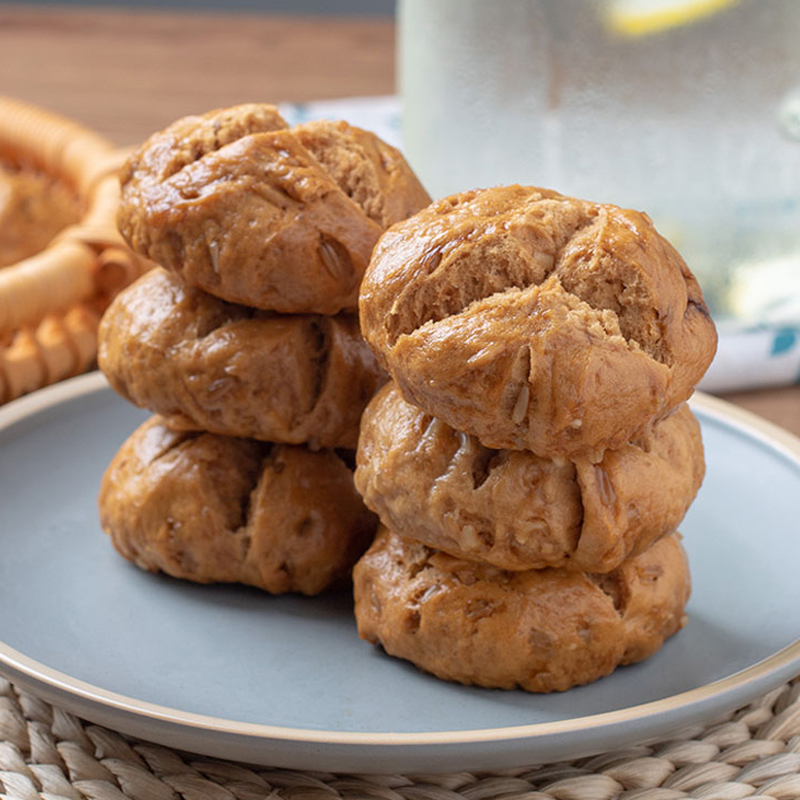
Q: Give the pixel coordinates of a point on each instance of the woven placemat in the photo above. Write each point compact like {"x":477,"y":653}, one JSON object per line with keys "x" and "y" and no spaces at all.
{"x":48,"y":754}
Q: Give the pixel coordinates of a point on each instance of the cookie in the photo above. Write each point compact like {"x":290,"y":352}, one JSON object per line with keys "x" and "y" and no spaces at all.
{"x":206,"y":364}
{"x":368,"y":170}
{"x":514,"y":509}
{"x":33,"y":209}
{"x":241,"y":206}
{"x":211,"y":508}
{"x":540,"y":630}
{"x":536,"y":321}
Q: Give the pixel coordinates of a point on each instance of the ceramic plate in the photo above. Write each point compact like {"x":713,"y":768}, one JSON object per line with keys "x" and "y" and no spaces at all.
{"x":284,"y":681}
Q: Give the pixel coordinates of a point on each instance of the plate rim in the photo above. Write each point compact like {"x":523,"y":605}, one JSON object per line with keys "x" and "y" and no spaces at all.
{"x":76,"y":694}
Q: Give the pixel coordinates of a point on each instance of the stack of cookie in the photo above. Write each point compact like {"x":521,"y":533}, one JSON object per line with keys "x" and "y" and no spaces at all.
{"x":533,"y":457}
{"x":245,"y":345}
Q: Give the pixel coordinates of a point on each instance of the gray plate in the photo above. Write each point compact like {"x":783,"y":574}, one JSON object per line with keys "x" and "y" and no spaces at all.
{"x":285,"y":681}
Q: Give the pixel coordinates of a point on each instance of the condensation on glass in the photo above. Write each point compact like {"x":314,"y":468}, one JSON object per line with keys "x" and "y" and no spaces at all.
{"x":698,"y":124}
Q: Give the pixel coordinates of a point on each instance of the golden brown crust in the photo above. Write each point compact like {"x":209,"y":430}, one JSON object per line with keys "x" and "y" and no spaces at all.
{"x":33,"y":209}
{"x":518,"y":511}
{"x":212,"y":508}
{"x":536,"y":321}
{"x":540,"y":630}
{"x":239,"y":206}
{"x":368,"y":170}
{"x":210,"y":365}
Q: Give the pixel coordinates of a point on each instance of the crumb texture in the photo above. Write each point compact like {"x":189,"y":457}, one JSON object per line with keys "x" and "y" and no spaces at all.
{"x":539,"y":630}
{"x":248,"y":209}
{"x":33,"y":209}
{"x":211,"y":508}
{"x":536,"y":321}
{"x":206,"y":364}
{"x":516,"y":510}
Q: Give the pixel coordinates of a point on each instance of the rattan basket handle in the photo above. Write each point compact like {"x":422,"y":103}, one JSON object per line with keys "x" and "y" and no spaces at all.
{"x":52,"y":143}
{"x":66,"y":272}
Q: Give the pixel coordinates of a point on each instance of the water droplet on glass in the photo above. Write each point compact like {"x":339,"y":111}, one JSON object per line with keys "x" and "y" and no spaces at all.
{"x":789,"y":116}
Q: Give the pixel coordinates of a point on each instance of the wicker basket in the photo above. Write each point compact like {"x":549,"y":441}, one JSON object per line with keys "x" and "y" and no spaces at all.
{"x":50,"y":303}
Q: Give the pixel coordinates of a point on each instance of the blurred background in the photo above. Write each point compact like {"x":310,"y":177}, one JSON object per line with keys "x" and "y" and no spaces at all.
{"x":376,"y":8}
{"x":126,"y":70}
{"x":687,"y":109}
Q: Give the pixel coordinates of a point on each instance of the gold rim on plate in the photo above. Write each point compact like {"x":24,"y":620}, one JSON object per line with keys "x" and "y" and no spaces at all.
{"x":404,"y":751}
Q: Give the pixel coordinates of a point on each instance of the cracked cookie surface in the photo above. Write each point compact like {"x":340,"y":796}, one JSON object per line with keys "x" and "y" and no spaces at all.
{"x":516,"y":510}
{"x":536,"y":321}
{"x":539,"y":630}
{"x":211,"y":508}
{"x":256,"y":213}
{"x":33,"y":209}
{"x":206,"y":364}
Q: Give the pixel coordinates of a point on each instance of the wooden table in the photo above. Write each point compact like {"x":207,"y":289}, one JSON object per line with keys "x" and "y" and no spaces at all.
{"x":127,"y":73}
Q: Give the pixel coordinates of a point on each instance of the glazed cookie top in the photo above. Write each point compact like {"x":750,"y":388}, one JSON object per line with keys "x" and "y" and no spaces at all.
{"x":514,"y":509}
{"x":540,"y":630}
{"x":256,"y":213}
{"x":33,"y":209}
{"x":536,"y":321}
{"x":205,"y":364}
{"x":211,"y":508}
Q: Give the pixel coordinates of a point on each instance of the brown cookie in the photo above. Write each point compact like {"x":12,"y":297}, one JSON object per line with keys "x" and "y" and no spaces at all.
{"x":540,"y":630}
{"x":536,"y":321}
{"x":211,"y":508}
{"x":33,"y":209}
{"x":514,"y":509}
{"x":248,"y":210}
{"x":368,"y":170}
{"x":210,"y":365}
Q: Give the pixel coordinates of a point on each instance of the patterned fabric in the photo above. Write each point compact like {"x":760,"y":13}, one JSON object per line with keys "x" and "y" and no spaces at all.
{"x":754,"y":356}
